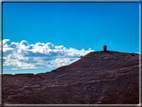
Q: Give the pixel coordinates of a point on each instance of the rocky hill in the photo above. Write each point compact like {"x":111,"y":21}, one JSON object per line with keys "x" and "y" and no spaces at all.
{"x":97,"y":78}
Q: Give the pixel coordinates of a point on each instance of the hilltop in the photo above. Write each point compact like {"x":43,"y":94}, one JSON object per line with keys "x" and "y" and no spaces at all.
{"x":97,"y":78}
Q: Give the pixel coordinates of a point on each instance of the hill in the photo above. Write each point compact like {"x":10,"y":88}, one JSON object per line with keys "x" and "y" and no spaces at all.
{"x":97,"y":78}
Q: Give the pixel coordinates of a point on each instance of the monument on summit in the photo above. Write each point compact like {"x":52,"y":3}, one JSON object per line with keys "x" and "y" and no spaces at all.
{"x":105,"y":48}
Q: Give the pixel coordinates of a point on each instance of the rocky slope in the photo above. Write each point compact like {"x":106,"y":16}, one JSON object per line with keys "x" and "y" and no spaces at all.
{"x":97,"y":78}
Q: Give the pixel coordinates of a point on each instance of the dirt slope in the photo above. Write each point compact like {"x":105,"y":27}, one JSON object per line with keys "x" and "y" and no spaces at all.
{"x":97,"y":78}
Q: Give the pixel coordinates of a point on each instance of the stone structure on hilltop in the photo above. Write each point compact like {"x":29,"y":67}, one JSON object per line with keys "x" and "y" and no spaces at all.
{"x":105,"y":48}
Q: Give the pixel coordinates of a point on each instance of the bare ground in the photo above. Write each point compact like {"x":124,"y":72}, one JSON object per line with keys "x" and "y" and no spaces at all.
{"x":97,"y":78}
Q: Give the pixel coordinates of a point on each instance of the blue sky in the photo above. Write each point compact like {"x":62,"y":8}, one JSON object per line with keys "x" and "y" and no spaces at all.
{"x":75,"y":26}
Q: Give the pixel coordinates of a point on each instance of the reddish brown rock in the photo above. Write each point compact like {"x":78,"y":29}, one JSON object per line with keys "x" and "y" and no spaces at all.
{"x":97,"y":78}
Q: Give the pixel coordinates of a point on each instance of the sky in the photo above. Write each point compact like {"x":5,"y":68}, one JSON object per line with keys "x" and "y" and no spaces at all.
{"x":40,"y":37}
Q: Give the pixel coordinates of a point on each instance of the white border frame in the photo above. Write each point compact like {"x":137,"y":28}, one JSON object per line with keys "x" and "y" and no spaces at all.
{"x":94,"y":1}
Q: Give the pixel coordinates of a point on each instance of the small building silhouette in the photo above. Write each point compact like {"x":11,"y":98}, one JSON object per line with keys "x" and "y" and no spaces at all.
{"x":105,"y":48}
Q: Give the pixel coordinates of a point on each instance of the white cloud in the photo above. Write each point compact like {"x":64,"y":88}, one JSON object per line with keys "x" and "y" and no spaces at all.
{"x":5,"y":69}
{"x":38,"y":55}
{"x":13,"y":68}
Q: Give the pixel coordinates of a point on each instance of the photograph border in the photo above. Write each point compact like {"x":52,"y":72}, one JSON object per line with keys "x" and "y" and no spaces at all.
{"x":74,"y":1}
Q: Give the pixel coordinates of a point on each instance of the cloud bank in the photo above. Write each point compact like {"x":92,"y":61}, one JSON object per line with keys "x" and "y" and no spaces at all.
{"x":14,"y":69}
{"x":38,"y":55}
